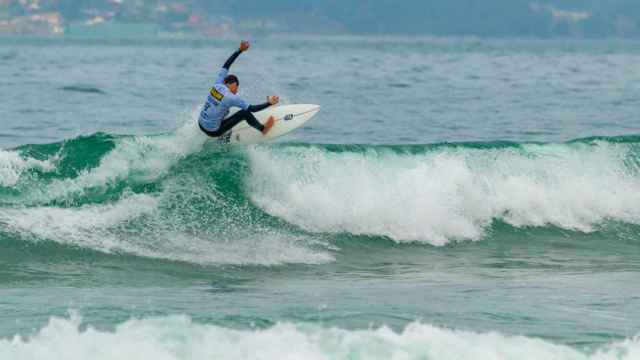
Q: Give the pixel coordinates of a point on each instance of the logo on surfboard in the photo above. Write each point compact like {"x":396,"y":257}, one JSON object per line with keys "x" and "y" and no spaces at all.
{"x":288,"y":117}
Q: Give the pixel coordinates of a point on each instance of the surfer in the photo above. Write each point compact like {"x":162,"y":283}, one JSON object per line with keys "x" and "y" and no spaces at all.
{"x":213,"y":119}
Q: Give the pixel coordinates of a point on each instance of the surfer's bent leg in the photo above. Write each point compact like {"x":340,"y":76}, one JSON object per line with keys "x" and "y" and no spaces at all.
{"x":233,"y":120}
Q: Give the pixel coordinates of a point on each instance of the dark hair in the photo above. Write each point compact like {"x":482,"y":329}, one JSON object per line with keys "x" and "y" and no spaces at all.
{"x":231,"y":79}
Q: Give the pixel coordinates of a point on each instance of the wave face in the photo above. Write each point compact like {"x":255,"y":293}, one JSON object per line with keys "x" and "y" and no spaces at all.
{"x":177,"y":197}
{"x":177,"y":337}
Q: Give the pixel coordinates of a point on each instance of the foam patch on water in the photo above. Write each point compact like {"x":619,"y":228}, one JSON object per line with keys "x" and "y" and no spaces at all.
{"x":135,"y":225}
{"x":447,"y":194}
{"x":261,"y":248}
{"x":13,"y":165}
{"x":177,"y":337}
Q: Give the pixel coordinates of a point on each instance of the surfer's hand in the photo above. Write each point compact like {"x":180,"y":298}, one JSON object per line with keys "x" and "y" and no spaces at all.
{"x":273,"y":100}
{"x":244,"y":45}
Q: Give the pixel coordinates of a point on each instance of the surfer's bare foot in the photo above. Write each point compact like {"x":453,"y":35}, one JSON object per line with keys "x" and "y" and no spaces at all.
{"x":268,"y":125}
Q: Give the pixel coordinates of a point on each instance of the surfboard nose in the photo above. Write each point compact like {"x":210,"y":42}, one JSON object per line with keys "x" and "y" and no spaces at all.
{"x":315,"y":108}
{"x":312,"y":108}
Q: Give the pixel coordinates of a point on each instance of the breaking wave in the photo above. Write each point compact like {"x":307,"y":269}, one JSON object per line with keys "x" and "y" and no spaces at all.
{"x":181,"y":198}
{"x":178,"y":337}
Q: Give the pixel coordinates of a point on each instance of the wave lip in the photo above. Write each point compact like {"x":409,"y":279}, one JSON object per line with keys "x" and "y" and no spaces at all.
{"x":448,"y":193}
{"x":177,"y":337}
{"x":144,"y":158}
{"x":13,"y":165}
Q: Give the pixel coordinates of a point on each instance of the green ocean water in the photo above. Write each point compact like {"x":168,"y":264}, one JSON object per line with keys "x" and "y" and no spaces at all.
{"x":415,"y":217}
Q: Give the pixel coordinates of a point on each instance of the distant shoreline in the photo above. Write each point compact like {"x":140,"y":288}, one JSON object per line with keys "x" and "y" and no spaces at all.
{"x":398,"y":38}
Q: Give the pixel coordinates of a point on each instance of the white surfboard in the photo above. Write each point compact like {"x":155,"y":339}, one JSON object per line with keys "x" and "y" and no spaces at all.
{"x":287,"y":118}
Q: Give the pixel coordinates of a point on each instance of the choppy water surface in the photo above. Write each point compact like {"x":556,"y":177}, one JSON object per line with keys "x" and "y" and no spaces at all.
{"x":453,"y":199}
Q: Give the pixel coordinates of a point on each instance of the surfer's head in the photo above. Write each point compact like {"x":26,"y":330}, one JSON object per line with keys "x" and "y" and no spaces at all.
{"x":232,"y":83}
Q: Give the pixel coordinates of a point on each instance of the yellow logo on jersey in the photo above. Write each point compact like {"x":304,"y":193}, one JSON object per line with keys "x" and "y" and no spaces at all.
{"x":216,"y":94}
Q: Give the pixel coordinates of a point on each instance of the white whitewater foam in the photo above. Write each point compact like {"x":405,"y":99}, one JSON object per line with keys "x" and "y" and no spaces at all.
{"x":13,"y":165}
{"x":447,"y":194}
{"x":87,"y":226}
{"x":177,"y":338}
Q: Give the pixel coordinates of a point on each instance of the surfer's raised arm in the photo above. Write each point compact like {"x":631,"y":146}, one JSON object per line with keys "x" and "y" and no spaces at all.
{"x":244,"y":46}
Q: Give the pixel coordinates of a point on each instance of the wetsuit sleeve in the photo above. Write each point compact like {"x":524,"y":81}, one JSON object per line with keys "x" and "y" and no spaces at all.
{"x":224,"y":71}
{"x":231,"y":59}
{"x":259,"y":107}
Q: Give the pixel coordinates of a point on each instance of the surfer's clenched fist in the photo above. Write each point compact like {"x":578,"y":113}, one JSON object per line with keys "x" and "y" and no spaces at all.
{"x":244,"y":45}
{"x":273,"y":99}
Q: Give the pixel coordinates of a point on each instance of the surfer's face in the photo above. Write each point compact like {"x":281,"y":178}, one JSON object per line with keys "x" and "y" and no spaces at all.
{"x":233,"y":87}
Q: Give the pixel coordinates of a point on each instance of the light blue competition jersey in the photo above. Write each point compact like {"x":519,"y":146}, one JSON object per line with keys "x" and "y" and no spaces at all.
{"x":219,"y":101}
